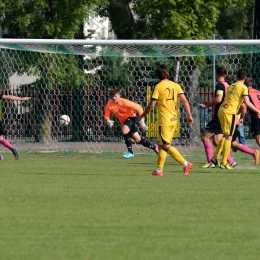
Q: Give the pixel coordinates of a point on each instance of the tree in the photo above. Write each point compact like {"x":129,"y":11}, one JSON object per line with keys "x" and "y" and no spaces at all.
{"x":45,"y":19}
{"x":168,"y":19}
{"x":236,"y":22}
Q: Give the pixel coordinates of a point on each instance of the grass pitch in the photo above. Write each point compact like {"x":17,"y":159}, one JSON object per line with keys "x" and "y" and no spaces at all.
{"x":101,"y":206}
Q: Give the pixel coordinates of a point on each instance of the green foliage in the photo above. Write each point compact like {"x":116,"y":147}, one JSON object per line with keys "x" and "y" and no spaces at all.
{"x":236,"y":21}
{"x":51,"y":69}
{"x":45,"y":19}
{"x":172,"y":19}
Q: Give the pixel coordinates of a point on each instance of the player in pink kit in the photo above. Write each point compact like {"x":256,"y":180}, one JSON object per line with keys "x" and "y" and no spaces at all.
{"x":4,"y":141}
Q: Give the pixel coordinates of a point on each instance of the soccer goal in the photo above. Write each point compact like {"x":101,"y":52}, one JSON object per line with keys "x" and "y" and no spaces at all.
{"x":75,"y":77}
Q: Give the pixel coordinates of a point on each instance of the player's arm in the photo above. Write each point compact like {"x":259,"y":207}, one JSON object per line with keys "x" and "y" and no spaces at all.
{"x":109,"y":122}
{"x":148,"y":109}
{"x":242,"y":111}
{"x":134,"y":106}
{"x":186,"y":106}
{"x":11,"y":97}
{"x":250,"y":105}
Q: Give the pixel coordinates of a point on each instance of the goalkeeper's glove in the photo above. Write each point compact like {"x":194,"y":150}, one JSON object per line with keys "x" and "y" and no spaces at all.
{"x":110,"y":123}
{"x":142,"y":125}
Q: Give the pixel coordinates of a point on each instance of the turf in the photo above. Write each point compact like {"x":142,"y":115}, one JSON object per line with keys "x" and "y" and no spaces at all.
{"x":101,"y":206}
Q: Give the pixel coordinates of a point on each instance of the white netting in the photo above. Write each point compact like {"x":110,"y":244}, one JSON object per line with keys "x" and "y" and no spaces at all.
{"x":76,"y":80}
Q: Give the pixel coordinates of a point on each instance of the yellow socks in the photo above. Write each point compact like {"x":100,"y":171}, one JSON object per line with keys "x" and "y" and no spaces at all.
{"x":175,"y":154}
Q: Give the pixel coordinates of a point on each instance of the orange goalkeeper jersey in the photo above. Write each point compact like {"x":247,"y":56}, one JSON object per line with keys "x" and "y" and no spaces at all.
{"x":122,"y":110}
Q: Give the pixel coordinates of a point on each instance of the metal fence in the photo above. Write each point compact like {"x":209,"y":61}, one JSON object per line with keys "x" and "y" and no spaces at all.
{"x":85,"y":106}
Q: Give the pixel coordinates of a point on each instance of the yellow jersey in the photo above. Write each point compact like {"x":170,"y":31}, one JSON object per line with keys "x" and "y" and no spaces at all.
{"x":166,"y":93}
{"x":234,"y":98}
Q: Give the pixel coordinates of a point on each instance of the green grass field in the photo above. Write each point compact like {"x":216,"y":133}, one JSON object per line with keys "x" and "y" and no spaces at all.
{"x":101,"y":206}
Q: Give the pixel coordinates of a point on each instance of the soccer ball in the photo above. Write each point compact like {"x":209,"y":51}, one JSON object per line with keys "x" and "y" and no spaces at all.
{"x":64,"y":120}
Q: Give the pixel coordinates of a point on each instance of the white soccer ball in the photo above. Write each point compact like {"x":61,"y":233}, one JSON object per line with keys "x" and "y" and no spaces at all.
{"x":64,"y":120}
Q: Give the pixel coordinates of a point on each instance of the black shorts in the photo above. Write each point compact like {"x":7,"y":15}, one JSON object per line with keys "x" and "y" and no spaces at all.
{"x":1,"y":129}
{"x":235,"y":135}
{"x":214,"y":126}
{"x":131,"y":123}
{"x":255,"y":126}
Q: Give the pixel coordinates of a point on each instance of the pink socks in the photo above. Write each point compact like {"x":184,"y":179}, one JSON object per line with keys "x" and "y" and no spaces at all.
{"x":245,"y":149}
{"x":208,"y":150}
{"x":6,"y":143}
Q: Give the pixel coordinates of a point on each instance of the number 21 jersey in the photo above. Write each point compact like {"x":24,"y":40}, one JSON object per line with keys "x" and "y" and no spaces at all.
{"x":166,"y":93}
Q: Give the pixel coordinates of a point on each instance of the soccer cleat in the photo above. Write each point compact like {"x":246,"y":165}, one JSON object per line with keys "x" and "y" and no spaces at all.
{"x":155,"y":173}
{"x":15,"y":153}
{"x":208,"y":165}
{"x":215,"y":162}
{"x":128,"y":155}
{"x":233,"y":164}
{"x":256,"y":156}
{"x":156,"y":148}
{"x":227,"y":166}
{"x":187,"y":169}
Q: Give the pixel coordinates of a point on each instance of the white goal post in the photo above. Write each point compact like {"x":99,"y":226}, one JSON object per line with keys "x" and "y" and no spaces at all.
{"x":74,"y":77}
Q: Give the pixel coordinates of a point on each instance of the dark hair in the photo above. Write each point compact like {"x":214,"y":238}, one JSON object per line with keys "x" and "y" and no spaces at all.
{"x":162,"y":72}
{"x":249,"y":82}
{"x":228,"y":80}
{"x":115,"y":91}
{"x":241,"y":74}
{"x":221,"y":71}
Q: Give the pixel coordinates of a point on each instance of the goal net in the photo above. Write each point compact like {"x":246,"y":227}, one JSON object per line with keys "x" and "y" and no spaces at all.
{"x":75,"y":77}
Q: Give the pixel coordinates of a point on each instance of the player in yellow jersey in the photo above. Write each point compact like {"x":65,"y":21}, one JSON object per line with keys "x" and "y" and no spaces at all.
{"x":165,"y":95}
{"x":237,"y":94}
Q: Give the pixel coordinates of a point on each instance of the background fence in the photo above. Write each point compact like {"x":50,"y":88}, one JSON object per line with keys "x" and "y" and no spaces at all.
{"x":86,"y":107}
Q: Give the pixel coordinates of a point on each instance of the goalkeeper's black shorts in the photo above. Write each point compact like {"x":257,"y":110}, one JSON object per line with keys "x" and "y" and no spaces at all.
{"x":131,"y":123}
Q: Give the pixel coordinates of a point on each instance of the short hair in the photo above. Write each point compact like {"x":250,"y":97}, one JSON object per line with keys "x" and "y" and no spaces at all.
{"x":241,"y":74}
{"x":162,"y":72}
{"x":221,"y":71}
{"x":228,"y":80}
{"x":115,"y":91}
{"x":249,"y":82}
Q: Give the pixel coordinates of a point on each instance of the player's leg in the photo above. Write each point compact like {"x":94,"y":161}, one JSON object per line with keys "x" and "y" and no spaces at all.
{"x":164,"y":146}
{"x":128,"y":141}
{"x":165,"y":134}
{"x":224,"y":146}
{"x":144,"y":142}
{"x":7,"y":144}
{"x":257,"y":139}
{"x":255,"y":129}
{"x":245,"y":149}
{"x":205,"y":138}
{"x":213,"y":129}
{"x":216,"y":139}
{"x":228,"y":125}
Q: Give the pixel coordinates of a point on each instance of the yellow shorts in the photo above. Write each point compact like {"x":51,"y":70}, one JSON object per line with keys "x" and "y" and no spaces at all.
{"x":227,"y":121}
{"x":165,"y":134}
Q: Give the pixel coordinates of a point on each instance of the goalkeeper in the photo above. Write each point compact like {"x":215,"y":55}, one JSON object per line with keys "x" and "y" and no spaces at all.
{"x":124,"y":111}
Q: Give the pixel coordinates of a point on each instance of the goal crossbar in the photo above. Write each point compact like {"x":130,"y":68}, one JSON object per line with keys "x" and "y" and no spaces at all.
{"x":135,"y":48}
